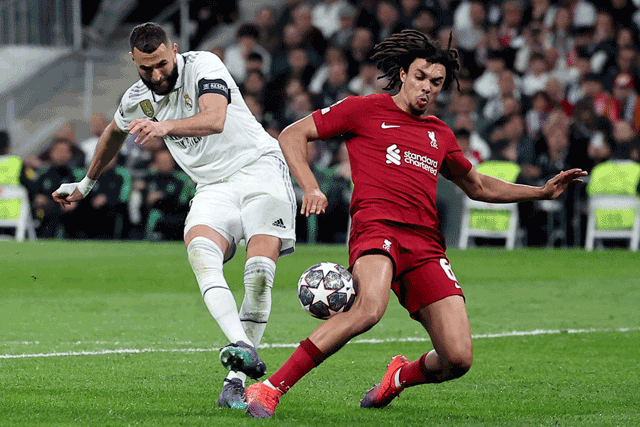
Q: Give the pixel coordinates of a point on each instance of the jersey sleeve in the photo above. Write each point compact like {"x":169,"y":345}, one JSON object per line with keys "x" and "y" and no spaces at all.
{"x":211,"y":76}
{"x":339,"y":118}
{"x":125,"y":113}
{"x":455,"y":164}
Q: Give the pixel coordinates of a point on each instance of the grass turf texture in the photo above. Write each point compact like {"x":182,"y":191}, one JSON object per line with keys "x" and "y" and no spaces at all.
{"x":66,"y":297}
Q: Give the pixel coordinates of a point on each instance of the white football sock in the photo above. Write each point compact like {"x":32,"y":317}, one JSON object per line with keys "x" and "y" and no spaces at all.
{"x":259,"y":272}
{"x":234,"y":374}
{"x":206,"y":260}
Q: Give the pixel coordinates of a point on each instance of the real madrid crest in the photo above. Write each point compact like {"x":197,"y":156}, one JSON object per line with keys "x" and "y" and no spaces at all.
{"x":147,"y":108}
{"x":188,"y":102}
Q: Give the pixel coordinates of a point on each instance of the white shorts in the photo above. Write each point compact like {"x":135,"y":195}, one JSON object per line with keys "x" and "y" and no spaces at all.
{"x":258,"y":199}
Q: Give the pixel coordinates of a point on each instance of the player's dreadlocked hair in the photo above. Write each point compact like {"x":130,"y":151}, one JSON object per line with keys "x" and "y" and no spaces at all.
{"x":148,"y":37}
{"x":401,"y":49}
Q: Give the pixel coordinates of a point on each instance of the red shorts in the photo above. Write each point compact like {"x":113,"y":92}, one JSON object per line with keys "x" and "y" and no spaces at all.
{"x":422,"y":273}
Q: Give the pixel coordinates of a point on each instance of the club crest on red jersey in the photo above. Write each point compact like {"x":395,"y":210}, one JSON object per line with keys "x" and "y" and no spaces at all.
{"x":432,"y":137}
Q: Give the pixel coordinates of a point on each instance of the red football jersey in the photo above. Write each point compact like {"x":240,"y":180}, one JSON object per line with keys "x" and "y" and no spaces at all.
{"x":395,"y":158}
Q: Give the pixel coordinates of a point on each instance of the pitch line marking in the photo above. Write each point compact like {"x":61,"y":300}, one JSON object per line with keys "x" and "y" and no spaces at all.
{"x":294,"y":345}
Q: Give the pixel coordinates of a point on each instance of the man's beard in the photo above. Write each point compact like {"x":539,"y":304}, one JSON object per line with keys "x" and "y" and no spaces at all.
{"x":172,"y":79}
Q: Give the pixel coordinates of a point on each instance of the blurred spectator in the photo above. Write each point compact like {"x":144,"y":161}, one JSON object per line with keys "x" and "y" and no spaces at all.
{"x":626,"y":94}
{"x":589,"y":136}
{"x":333,"y":225}
{"x":361,"y":44}
{"x":387,"y":20}
{"x":556,"y":92}
{"x":255,"y":106}
{"x":347,"y":17}
{"x":535,"y":79}
{"x":470,"y":31}
{"x":510,"y":25}
{"x":299,"y":106}
{"x":583,"y":13}
{"x":65,"y":133}
{"x":365,"y":82}
{"x":326,"y":16}
{"x":509,"y":126}
{"x":621,"y":11}
{"x":463,"y":137}
{"x":626,"y":62}
{"x":408,"y":11}
{"x":97,"y":125}
{"x":236,"y":55}
{"x":625,"y":140}
{"x":270,"y":35}
{"x":335,"y":86}
{"x":254,"y":84}
{"x":299,"y":71}
{"x":305,"y":225}
{"x":425,"y":22}
{"x":476,"y":142}
{"x":107,"y":205}
{"x":534,"y":42}
{"x":332,"y":55}
{"x":494,"y":108}
{"x":54,"y":222}
{"x":166,"y":193}
{"x":312,"y":37}
{"x":539,"y":10}
{"x":218,"y":51}
{"x":536,"y":117}
{"x":487,"y":84}
{"x":605,"y":43}
{"x":291,"y":40}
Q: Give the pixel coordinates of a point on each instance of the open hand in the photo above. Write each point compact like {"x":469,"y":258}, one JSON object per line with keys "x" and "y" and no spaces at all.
{"x":556,"y":185}
{"x":313,"y":202}
{"x":145,"y":130}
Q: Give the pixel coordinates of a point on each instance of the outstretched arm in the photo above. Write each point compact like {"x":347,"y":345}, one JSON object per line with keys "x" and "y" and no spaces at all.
{"x":489,"y":189}
{"x":293,"y":141}
{"x":108,"y":146}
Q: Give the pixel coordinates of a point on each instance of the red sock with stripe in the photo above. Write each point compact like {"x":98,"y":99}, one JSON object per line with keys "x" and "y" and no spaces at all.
{"x":414,"y":373}
{"x":306,"y":357}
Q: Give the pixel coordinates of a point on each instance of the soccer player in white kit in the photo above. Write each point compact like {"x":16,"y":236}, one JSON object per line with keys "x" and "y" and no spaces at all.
{"x":243,"y":185}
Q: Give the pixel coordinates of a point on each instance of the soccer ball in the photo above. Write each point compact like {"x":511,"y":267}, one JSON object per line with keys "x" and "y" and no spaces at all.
{"x":326,"y":289}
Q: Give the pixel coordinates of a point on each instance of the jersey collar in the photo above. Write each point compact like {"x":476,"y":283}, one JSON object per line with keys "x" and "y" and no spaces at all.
{"x":179,"y":83}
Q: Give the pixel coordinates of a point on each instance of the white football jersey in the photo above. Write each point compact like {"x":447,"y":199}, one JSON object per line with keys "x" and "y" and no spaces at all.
{"x":211,"y":158}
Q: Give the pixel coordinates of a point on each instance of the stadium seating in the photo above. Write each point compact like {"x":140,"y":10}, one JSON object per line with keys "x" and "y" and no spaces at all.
{"x":491,"y":220}
{"x":614,"y":204}
{"x":613,"y":217}
{"x":22,"y":222}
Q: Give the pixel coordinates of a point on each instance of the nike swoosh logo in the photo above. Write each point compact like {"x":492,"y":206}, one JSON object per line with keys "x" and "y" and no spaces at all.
{"x":386,"y":126}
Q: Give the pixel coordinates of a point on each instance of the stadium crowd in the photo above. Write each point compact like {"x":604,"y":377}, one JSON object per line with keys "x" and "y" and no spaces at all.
{"x":547,"y":85}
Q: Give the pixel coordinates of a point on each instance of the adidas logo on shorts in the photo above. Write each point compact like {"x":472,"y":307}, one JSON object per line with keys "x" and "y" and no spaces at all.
{"x":279,"y":223}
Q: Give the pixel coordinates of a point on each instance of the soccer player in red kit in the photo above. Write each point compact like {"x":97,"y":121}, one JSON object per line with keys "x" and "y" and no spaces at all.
{"x":396,"y":149}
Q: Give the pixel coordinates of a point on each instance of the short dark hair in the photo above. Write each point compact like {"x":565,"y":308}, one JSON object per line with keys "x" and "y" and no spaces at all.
{"x":401,"y":49}
{"x":148,"y":37}
{"x":4,"y":141}
{"x":248,"y":30}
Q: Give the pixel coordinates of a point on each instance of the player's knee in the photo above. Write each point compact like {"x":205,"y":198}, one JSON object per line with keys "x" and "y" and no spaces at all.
{"x":458,"y":363}
{"x":365,"y":315}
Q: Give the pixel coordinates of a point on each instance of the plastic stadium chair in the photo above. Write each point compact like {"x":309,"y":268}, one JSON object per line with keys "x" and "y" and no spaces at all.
{"x":21,"y":220}
{"x":491,"y":220}
{"x":613,"y":217}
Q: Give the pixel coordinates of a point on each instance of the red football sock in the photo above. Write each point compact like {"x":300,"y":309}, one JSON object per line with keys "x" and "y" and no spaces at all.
{"x":306,"y":357}
{"x":414,"y":373}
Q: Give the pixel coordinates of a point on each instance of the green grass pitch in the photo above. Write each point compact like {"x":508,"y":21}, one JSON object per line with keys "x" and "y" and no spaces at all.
{"x":116,"y":334}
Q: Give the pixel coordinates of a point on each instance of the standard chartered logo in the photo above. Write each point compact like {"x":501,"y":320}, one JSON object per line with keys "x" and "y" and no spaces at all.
{"x":418,"y":160}
{"x":393,"y":154}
